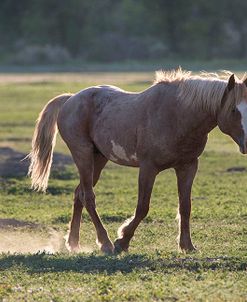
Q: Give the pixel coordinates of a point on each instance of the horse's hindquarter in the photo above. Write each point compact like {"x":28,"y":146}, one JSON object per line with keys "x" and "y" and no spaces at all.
{"x":105,"y":116}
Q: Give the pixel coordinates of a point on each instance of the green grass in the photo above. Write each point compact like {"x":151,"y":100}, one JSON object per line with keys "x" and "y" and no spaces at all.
{"x":153,"y":270}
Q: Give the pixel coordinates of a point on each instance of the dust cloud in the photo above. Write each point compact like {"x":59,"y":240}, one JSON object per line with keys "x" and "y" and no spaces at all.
{"x":22,"y":237}
{"x":22,"y":242}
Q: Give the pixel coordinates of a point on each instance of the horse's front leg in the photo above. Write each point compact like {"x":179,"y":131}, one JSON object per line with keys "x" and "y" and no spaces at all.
{"x":185,"y":176}
{"x":147,"y":176}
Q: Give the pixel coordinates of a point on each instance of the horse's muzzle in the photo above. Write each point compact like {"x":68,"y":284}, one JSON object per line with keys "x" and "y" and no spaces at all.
{"x":242,"y":145}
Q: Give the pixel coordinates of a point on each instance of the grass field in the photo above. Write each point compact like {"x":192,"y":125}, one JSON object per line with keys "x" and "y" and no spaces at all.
{"x":153,"y":270}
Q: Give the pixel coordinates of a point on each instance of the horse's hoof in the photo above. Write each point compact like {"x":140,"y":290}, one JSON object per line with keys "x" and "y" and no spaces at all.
{"x":107,"y":249}
{"x":188,"y":249}
{"x":119,"y":248}
{"x":71,"y":247}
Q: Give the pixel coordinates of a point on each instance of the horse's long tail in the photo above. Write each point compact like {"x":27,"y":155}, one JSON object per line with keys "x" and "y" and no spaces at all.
{"x":43,"y":142}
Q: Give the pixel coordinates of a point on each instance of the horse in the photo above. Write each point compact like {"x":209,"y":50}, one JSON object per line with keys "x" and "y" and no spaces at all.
{"x":165,"y":126}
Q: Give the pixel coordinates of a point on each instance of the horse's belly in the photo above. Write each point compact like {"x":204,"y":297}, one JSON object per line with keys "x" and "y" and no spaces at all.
{"x":119,"y":150}
{"x":120,"y":155}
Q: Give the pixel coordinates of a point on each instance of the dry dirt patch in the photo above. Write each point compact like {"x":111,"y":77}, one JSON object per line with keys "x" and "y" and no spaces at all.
{"x":16,"y":237}
{"x":13,"y":165}
{"x":84,"y":77}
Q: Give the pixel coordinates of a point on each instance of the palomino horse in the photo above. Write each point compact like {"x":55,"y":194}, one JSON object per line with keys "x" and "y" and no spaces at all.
{"x":165,"y":126}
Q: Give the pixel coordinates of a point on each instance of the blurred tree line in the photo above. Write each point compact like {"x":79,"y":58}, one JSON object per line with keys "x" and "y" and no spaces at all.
{"x":114,"y":30}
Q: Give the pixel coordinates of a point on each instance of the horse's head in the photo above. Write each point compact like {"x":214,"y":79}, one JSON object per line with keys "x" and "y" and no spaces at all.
{"x":232,"y":117}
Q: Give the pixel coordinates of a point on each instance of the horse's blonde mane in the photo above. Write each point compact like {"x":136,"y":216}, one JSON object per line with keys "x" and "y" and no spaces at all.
{"x":205,"y":90}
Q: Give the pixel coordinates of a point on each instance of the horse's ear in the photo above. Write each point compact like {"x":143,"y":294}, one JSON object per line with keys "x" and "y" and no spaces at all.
{"x":230,"y":86}
{"x":231,"y":82}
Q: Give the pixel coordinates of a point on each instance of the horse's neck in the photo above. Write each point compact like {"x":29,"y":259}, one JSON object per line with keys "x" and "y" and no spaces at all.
{"x":194,"y":118}
{"x":198,"y":122}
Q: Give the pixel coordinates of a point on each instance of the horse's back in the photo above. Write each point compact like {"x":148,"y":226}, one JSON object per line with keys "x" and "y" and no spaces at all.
{"x":87,"y":99}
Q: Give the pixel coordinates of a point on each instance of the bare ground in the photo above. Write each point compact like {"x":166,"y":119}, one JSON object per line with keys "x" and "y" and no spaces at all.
{"x":88,"y":77}
{"x":21,"y":240}
{"x":13,"y":165}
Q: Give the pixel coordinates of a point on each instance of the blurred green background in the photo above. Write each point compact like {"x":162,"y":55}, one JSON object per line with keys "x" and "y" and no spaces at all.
{"x":203,"y":34}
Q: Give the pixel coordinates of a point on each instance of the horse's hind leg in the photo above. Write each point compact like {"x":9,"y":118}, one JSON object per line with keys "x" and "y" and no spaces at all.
{"x":99,"y":162}
{"x":72,"y":240}
{"x":89,"y":166}
{"x":147,"y":176}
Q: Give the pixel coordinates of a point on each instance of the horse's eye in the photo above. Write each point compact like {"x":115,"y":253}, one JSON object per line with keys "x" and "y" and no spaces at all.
{"x":234,"y":109}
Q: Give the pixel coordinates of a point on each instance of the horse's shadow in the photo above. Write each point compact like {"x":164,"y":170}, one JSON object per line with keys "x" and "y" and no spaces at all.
{"x":94,"y":264}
